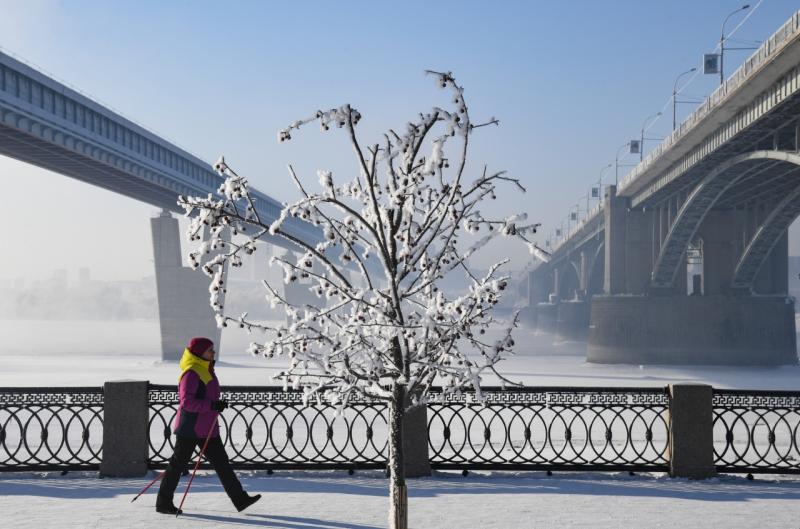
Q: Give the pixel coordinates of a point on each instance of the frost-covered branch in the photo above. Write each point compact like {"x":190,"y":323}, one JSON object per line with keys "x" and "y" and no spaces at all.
{"x":410,"y":217}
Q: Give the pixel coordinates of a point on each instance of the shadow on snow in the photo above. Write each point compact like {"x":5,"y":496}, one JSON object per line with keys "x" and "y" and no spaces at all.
{"x":277,"y":522}
{"x":725,"y":488}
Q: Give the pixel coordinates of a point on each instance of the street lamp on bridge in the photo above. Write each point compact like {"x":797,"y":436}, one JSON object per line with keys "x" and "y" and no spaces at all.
{"x":675,"y":94}
{"x":634,"y":146}
{"x":597,"y":192}
{"x":641,"y":142}
{"x":722,"y":42}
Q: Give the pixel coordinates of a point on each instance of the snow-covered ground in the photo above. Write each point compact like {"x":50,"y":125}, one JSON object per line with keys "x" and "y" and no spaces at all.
{"x":80,"y":353}
{"x":334,"y":500}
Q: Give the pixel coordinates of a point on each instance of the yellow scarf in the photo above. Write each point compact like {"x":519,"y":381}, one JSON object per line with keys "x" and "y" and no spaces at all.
{"x":196,"y":364}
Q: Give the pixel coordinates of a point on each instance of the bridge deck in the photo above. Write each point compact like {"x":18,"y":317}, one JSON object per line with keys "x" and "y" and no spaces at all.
{"x":756,"y":106}
{"x":45,"y":123}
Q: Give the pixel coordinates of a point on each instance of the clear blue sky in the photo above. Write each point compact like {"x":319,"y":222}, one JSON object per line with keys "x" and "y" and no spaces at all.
{"x":570,"y":82}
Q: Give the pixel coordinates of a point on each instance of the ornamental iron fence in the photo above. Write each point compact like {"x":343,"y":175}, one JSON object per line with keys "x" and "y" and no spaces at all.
{"x":555,"y":428}
{"x":51,"y":428}
{"x":267,"y":428}
{"x":521,"y":428}
{"x":756,"y":431}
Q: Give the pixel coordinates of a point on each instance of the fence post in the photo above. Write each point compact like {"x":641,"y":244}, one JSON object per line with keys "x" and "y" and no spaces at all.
{"x":125,"y":429}
{"x":415,"y":442}
{"x":691,"y":431}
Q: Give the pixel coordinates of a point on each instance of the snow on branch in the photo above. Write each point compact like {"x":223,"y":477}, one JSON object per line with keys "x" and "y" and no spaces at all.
{"x":389,"y":236}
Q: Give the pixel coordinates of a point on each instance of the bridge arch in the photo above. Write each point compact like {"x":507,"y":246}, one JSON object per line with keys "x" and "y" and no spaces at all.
{"x":569,"y":280}
{"x":767,"y":236}
{"x":703,"y":198}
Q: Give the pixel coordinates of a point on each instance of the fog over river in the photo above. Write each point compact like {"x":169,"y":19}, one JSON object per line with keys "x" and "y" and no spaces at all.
{"x":72,"y":353}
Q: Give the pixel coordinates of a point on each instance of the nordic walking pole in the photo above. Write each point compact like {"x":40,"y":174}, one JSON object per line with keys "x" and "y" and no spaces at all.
{"x":199,"y":457}
{"x":148,"y":486}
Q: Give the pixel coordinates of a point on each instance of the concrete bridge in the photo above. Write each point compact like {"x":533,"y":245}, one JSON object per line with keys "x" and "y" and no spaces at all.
{"x":50,"y":125}
{"x":685,"y":261}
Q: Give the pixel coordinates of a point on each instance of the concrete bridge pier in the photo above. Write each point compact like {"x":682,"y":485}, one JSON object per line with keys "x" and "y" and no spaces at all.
{"x":182,"y":293}
{"x":538,"y":292}
{"x":547,"y":310}
{"x":645,"y":319}
{"x":547,"y":317}
{"x":716,"y":329}
{"x":572,"y":321}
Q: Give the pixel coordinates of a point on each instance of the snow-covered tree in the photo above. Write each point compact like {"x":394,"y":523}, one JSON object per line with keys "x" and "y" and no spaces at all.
{"x":409,"y":217}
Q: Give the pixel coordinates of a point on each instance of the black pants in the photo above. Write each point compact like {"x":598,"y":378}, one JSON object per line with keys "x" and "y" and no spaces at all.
{"x":215,"y":454}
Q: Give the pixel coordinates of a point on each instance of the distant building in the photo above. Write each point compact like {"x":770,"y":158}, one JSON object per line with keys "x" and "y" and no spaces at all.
{"x":59,"y":279}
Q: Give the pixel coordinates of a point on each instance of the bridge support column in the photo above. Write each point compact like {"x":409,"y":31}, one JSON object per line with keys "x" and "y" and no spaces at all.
{"x":572,"y":322}
{"x":546,"y":317}
{"x":773,"y":278}
{"x":555,"y":294}
{"x":586,"y":264}
{"x":182,"y":293}
{"x":547,"y":312}
{"x":715,"y":329}
{"x":615,"y":214}
{"x":721,"y":233}
{"x":537,"y":292}
{"x":638,"y":250}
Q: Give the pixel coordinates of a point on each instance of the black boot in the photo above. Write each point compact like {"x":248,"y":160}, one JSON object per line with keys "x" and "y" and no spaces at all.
{"x":246,"y":501}
{"x":165,"y":506}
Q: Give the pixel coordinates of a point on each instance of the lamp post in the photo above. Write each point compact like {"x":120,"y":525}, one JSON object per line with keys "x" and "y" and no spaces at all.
{"x":675,"y":94}
{"x":588,"y":196}
{"x":600,"y":182}
{"x":616,"y":162}
{"x":722,"y":41}
{"x":641,"y":141}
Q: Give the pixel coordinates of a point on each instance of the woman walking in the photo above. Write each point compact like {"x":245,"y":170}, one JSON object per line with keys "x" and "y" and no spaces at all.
{"x":199,"y":394}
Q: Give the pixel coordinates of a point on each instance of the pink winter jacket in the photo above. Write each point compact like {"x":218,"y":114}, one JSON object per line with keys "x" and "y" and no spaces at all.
{"x":195,"y":416}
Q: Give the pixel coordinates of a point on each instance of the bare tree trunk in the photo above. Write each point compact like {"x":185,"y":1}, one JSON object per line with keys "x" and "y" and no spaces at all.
{"x":398,"y":493}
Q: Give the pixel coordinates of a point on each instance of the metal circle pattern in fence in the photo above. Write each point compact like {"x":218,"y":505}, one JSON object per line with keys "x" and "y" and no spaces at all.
{"x":528,"y":428}
{"x":269,"y":428}
{"x":756,"y":431}
{"x":51,"y":428}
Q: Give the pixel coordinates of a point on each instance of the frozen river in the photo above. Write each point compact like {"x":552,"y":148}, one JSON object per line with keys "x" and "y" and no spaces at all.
{"x":78,"y":353}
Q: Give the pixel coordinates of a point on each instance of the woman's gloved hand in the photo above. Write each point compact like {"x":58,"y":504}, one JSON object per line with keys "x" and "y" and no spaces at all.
{"x":219,"y":405}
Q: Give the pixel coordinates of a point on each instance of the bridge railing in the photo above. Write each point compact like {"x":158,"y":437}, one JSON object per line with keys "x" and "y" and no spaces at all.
{"x":761,"y":56}
{"x":579,"y":225}
{"x":94,"y":99}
